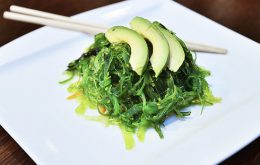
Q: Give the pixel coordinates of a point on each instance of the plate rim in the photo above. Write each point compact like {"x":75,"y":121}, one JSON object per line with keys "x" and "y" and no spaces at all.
{"x":27,"y":148}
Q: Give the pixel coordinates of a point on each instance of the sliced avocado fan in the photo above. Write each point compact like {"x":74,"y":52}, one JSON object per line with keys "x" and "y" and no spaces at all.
{"x":177,"y":54}
{"x":160,"y":45}
{"x":167,"y":50}
{"x":139,"y":49}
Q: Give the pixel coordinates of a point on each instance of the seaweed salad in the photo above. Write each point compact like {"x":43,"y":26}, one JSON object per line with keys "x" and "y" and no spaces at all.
{"x":132,"y":86}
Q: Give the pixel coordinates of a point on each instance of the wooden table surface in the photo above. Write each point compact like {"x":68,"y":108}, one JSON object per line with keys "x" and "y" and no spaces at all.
{"x":242,"y":16}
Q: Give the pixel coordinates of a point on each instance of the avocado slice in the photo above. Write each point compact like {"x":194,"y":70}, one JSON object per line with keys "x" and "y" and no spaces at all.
{"x":139,"y":49}
{"x":160,"y":45}
{"x":177,"y":54}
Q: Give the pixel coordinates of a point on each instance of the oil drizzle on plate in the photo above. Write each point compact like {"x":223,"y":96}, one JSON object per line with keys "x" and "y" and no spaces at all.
{"x":128,"y":135}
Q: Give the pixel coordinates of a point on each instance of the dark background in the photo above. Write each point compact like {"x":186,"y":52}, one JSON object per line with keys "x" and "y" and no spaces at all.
{"x":242,"y":16}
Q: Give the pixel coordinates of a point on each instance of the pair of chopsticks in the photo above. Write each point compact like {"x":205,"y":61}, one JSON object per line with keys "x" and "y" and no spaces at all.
{"x":54,"y":20}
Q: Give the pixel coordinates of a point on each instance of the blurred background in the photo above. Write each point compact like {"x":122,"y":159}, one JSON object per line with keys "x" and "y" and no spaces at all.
{"x":242,"y":16}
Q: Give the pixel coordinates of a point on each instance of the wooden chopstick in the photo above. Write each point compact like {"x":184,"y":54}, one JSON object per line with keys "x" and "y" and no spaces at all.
{"x":44,"y":18}
{"x":32,"y":12}
{"x":51,"y":22}
{"x":205,"y":48}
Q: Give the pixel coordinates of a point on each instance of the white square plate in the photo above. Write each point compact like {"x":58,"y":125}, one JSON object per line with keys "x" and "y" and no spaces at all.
{"x":34,"y":109}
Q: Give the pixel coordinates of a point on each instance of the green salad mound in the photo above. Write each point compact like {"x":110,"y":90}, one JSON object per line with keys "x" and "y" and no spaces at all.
{"x":136,"y":102}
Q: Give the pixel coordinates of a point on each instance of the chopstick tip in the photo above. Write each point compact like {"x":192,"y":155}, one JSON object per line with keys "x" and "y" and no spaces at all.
{"x":5,"y":14}
{"x":11,"y":7}
{"x":224,"y":51}
{"x":14,"y":8}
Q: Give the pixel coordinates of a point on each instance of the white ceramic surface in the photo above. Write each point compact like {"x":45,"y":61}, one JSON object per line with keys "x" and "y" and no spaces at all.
{"x":34,"y":109}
